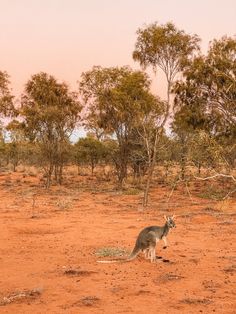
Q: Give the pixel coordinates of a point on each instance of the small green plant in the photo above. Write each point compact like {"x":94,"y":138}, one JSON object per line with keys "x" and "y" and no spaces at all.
{"x":111,"y":252}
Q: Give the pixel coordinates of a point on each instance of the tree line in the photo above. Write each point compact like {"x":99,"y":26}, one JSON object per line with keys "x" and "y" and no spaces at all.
{"x":128,"y":125}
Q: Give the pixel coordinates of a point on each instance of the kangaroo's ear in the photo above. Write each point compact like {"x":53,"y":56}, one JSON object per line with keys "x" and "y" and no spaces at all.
{"x":165,"y":217}
{"x":173,"y":217}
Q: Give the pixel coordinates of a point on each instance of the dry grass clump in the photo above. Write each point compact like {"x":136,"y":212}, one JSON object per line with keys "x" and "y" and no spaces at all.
{"x":20,"y":296}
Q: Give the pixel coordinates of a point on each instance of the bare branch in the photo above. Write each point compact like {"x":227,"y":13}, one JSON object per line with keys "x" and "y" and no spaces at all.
{"x":215,"y":176}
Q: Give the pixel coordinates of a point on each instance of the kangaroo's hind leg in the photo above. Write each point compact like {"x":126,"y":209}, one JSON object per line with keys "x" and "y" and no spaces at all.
{"x":151,"y":246}
{"x":146,"y":253}
{"x":152,"y":253}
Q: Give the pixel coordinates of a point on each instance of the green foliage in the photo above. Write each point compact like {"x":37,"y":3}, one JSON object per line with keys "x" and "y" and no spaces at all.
{"x":206,"y":98}
{"x":6,"y":99}
{"x":170,"y":49}
{"x":205,"y":105}
{"x":117,"y":101}
{"x":164,"y":46}
{"x":89,"y":150}
{"x":50,"y":113}
{"x":205,"y":151}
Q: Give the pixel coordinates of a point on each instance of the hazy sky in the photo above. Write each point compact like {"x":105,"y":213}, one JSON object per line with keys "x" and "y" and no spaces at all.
{"x":66,"y":37}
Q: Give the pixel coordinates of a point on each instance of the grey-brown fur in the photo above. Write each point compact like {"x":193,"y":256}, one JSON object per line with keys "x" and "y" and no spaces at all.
{"x":147,"y":240}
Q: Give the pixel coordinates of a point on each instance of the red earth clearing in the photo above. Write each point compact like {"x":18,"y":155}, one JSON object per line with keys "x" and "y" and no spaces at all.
{"x":49,"y":240}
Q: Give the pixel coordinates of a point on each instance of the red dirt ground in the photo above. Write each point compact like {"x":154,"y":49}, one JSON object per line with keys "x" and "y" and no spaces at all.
{"x":48,"y":247}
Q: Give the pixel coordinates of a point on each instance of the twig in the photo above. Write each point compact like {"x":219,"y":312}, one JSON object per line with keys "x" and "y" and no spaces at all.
{"x":172,"y":191}
{"x":231,"y":192}
{"x":189,"y":194}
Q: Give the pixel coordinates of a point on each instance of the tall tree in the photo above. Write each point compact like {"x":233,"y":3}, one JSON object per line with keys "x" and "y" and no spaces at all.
{"x":50,"y":113}
{"x":167,"y":48}
{"x":116,"y":98}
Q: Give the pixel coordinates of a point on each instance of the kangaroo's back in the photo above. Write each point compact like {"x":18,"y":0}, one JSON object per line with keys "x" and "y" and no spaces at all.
{"x":147,"y":234}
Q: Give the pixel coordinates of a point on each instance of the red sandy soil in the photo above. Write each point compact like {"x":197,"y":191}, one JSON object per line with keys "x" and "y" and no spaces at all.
{"x":48,"y":247}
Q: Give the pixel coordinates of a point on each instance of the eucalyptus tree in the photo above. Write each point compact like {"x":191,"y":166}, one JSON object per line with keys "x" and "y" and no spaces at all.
{"x":170,"y":49}
{"x":6,"y":98}
{"x":7,"y":109}
{"x":50,"y":112}
{"x":89,"y":150}
{"x":206,"y":97}
{"x":209,"y":85}
{"x":15,"y":148}
{"x":116,"y":100}
{"x":167,"y":48}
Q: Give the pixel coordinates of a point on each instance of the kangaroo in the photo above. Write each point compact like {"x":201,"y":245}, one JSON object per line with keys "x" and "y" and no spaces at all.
{"x":147,"y":240}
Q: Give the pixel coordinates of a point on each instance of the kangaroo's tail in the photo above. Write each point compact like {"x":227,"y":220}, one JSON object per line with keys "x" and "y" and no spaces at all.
{"x":134,"y":253}
{"x":131,"y":257}
{"x":112,"y":261}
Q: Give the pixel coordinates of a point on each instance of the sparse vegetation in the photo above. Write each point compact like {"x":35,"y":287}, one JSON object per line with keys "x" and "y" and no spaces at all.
{"x":67,"y":200}
{"x":111,"y":252}
{"x":21,"y":296}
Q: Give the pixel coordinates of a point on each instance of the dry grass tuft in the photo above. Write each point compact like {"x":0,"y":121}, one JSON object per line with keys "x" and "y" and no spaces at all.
{"x":20,"y":296}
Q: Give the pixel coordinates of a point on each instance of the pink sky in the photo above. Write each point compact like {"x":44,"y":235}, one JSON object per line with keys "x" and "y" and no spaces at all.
{"x":67,"y":37}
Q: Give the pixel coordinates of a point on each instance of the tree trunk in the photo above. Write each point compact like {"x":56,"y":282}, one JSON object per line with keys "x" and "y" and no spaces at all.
{"x":122,"y":172}
{"x":152,"y":161}
{"x":49,"y":176}
{"x":121,"y":164}
{"x":199,"y":168}
{"x":60,"y":174}
{"x":92,"y":166}
{"x":56,"y":173}
{"x":151,"y":167}
{"x":183,"y":166}
{"x":167,"y":170}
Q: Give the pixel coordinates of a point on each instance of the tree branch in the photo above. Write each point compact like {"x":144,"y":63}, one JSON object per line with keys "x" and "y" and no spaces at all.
{"x":215,"y":176}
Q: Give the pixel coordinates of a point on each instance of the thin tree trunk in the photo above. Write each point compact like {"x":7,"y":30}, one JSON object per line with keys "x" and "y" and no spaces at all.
{"x":122,"y":173}
{"x":199,"y":168}
{"x":49,"y":176}
{"x":153,"y":157}
{"x":92,"y":167}
{"x":60,"y":174}
{"x":183,"y":166}
{"x":150,"y":171}
{"x":56,"y":173}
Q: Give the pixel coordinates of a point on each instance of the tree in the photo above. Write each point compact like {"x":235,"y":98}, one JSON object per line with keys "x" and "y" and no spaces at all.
{"x":166,"y":47}
{"x":116,"y":99}
{"x":170,"y":49}
{"x":50,"y":113}
{"x":16,"y":146}
{"x":6,"y":109}
{"x":89,"y":150}
{"x":6,"y":99}
{"x":206,"y":97}
{"x":209,"y":86}
{"x":204,"y":150}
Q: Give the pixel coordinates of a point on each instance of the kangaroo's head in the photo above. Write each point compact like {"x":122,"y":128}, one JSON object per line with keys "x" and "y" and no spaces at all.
{"x":170,"y":221}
